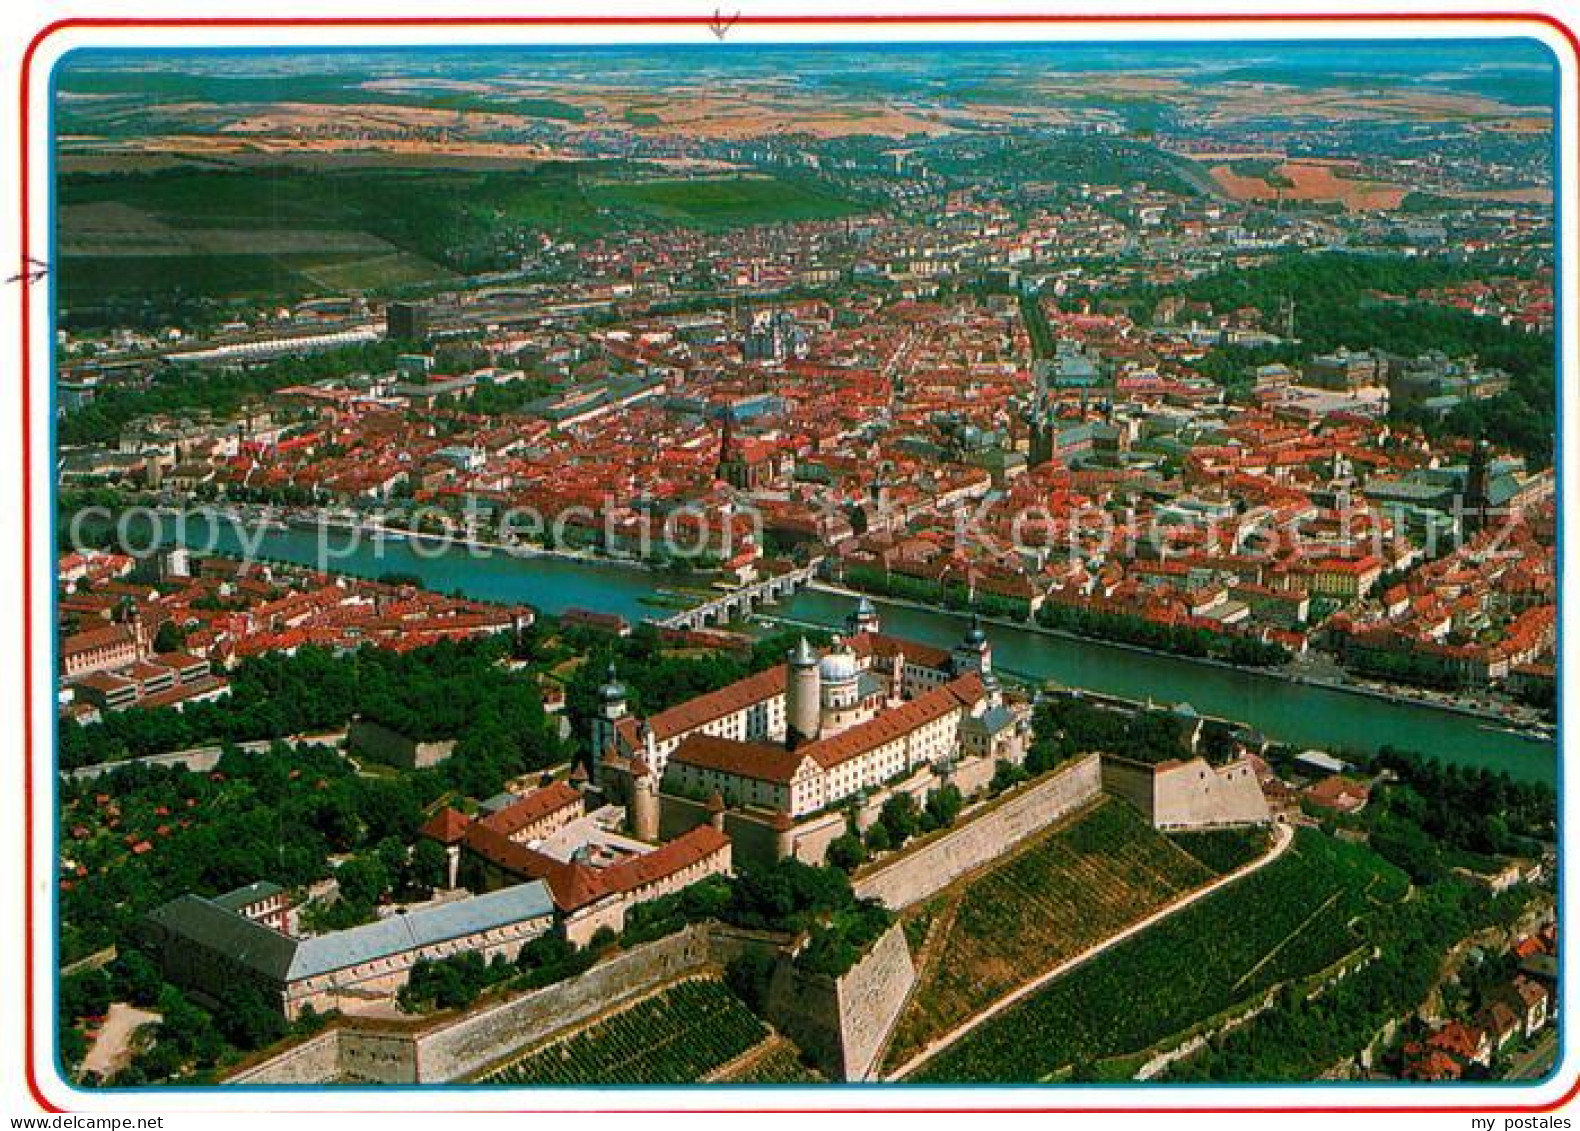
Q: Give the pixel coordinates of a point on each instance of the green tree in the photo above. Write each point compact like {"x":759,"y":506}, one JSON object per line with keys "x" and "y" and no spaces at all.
{"x":363,"y":880}
{"x":846,"y":852}
{"x":900,"y":818}
{"x":430,"y":864}
{"x":169,"y":638}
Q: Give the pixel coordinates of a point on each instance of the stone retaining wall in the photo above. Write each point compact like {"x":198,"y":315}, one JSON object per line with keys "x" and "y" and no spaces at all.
{"x":842,"y":1023}
{"x":465,"y":1046}
{"x":916,"y":875}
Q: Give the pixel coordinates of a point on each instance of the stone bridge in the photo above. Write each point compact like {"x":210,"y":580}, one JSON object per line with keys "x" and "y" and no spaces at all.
{"x":738,"y":603}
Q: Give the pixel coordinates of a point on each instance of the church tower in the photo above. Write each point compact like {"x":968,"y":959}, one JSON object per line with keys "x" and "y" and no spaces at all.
{"x":728,"y":468}
{"x":1039,"y":419}
{"x":864,"y":618}
{"x":611,"y":709}
{"x":974,"y":653}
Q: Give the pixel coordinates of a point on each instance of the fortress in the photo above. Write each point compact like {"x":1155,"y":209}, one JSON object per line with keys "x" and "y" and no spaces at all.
{"x":778,"y":758}
{"x":779,"y":764}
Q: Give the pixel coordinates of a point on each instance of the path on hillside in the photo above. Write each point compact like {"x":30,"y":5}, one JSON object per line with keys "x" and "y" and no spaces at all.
{"x":1284,"y":836}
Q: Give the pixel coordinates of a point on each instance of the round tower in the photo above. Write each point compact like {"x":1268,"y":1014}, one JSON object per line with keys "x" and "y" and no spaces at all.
{"x":784,"y":838}
{"x":803,"y":695}
{"x":642,"y":808}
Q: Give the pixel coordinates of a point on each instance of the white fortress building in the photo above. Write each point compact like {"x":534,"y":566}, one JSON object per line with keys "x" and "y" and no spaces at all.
{"x":807,"y":739}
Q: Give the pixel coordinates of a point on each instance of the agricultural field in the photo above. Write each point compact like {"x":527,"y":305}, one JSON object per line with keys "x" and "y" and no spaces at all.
{"x":777,"y":1062}
{"x":1078,"y":885}
{"x":1307,"y":179}
{"x":1224,"y":850}
{"x":1292,"y":920}
{"x":676,"y":1036}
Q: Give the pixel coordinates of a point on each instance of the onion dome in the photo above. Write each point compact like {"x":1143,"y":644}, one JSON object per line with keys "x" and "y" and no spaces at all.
{"x":613,"y":691}
{"x":976,"y":637}
{"x":838,"y":667}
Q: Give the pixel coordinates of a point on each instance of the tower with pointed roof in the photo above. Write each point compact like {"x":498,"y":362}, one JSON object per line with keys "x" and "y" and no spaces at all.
{"x":864,"y":618}
{"x":974,"y":653}
{"x":803,"y":695}
{"x":612,"y":707}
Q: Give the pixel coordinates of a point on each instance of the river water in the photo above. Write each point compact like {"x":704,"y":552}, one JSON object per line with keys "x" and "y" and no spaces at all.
{"x":1289,"y":712}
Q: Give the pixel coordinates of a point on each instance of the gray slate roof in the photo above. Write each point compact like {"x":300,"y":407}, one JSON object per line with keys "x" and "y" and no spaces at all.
{"x":254,"y":892}
{"x":285,"y":959}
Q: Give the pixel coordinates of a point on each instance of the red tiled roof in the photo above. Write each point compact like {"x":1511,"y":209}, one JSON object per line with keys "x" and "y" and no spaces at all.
{"x":757,"y":761}
{"x":533,"y":808}
{"x":693,"y":713}
{"x":679,"y":854}
{"x":879,"y":644}
{"x":891,"y":724}
{"x":447,"y":826}
{"x":575,"y":886}
{"x":96,"y":638}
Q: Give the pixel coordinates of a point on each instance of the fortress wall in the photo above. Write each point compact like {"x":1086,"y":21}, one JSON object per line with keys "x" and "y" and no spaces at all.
{"x":842,"y":1024}
{"x":972,"y":776}
{"x":1131,"y":781}
{"x":752,"y":839}
{"x":380,"y":1056}
{"x":1198,"y":796}
{"x":810,"y":840}
{"x":871,"y":996}
{"x":479,"y":1039}
{"x":314,"y":1061}
{"x":451,"y":1049}
{"x":678,"y":815}
{"x":382,"y":744}
{"x":917,"y":875}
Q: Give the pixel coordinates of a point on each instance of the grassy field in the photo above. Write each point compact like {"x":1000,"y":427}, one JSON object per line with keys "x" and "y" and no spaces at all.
{"x":676,"y":1036}
{"x":1078,"y":885}
{"x":1291,"y":920}
{"x":723,"y":202}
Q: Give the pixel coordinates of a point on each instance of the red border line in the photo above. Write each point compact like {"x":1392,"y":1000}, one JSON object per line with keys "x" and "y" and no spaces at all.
{"x":873,"y":20}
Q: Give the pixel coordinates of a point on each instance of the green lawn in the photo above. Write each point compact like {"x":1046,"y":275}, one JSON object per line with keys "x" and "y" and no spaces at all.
{"x":723,"y":202}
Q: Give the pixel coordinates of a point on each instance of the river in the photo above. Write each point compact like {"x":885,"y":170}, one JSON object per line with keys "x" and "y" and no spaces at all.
{"x":1301,"y":714}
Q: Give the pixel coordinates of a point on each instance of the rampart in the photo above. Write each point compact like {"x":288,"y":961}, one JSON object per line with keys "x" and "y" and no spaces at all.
{"x":917,"y":874}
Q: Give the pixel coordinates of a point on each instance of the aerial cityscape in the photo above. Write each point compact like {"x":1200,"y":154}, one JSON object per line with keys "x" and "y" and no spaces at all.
{"x":797,"y":565}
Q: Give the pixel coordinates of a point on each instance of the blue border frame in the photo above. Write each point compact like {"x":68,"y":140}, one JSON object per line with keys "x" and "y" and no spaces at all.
{"x":1350,"y":1086}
